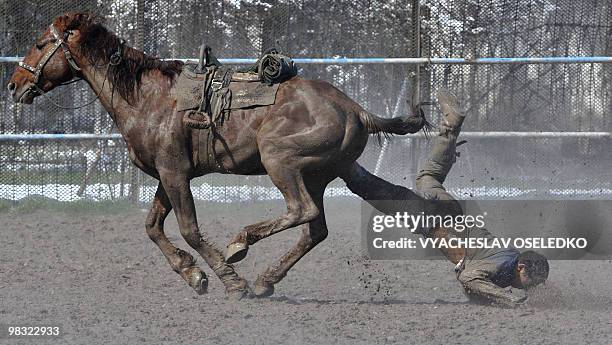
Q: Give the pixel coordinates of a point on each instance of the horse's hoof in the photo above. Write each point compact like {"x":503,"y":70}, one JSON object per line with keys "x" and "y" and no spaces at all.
{"x":236,"y":252}
{"x":196,"y":279}
{"x":239,"y":294}
{"x":263,"y":289}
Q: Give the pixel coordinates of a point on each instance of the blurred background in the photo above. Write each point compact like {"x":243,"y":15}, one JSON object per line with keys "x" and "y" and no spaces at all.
{"x":526,"y":98}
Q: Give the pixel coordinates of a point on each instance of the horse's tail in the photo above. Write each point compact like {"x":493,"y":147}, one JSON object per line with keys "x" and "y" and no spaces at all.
{"x":397,"y":125}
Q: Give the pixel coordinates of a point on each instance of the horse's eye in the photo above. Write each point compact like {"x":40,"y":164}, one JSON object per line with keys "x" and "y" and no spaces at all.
{"x":42,"y":43}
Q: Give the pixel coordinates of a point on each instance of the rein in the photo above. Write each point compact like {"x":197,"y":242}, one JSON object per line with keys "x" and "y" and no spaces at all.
{"x":114,"y":60}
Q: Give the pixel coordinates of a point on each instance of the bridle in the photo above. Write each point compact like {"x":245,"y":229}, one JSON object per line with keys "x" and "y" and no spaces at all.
{"x":59,"y":42}
{"x":37,"y":71}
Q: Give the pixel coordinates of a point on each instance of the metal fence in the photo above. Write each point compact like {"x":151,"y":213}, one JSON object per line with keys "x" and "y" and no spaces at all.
{"x":509,"y":97}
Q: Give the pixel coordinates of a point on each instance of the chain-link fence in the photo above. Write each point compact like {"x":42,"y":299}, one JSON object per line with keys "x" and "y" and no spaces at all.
{"x":524,"y":97}
{"x":510,"y":97}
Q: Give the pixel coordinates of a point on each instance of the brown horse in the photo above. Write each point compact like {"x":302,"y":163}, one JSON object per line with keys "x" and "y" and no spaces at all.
{"x":311,"y":135}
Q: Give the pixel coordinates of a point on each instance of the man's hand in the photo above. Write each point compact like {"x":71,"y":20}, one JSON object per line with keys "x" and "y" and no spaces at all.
{"x":515,"y":301}
{"x":481,"y":290}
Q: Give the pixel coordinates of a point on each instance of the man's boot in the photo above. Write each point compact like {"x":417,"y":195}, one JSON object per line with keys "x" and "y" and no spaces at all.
{"x":442,"y":155}
{"x":451,"y":111}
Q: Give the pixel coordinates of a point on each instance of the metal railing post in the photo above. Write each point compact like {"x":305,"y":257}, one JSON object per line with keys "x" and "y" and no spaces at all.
{"x":135,"y":176}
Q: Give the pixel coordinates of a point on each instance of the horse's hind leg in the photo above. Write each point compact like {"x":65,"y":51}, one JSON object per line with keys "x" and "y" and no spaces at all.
{"x":180,"y":261}
{"x":313,"y":233}
{"x":300,"y":209}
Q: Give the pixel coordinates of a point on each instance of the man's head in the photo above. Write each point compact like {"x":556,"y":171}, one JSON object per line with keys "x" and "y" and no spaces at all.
{"x":531,"y":270}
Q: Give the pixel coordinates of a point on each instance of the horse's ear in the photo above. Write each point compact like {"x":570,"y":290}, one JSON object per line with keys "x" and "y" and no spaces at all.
{"x":82,"y":18}
{"x":74,"y":20}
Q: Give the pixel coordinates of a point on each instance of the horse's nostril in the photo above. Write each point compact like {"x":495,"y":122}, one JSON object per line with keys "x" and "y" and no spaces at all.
{"x":11,"y":87}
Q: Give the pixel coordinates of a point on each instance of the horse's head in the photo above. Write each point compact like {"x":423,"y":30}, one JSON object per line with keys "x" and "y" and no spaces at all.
{"x":49,"y":62}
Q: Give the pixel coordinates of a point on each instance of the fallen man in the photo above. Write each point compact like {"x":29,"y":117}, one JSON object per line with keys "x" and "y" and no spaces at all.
{"x":484,"y":273}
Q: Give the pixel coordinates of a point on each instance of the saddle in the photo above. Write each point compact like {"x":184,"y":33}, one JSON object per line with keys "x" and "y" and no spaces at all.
{"x":208,"y":91}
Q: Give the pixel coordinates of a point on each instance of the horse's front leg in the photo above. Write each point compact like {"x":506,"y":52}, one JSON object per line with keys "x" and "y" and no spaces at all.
{"x":180,"y":261}
{"x":177,"y":187}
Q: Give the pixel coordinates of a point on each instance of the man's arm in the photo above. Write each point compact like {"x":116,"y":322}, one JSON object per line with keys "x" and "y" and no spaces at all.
{"x":478,"y":286}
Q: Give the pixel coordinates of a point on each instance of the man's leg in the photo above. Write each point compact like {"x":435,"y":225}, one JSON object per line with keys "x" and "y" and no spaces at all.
{"x":379,"y":192}
{"x":431,"y":177}
{"x":372,"y":188}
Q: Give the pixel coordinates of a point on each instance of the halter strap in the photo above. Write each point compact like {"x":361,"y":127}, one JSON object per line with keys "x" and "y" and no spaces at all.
{"x":115,"y":59}
{"x":59,"y":42}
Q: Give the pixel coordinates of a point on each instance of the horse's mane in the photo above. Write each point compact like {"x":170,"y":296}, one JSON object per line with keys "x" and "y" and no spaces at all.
{"x":97,"y":44}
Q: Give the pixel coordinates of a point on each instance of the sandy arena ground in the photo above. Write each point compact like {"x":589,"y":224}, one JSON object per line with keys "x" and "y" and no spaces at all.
{"x":105,"y":282}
